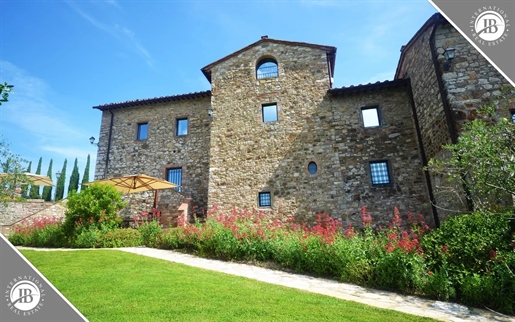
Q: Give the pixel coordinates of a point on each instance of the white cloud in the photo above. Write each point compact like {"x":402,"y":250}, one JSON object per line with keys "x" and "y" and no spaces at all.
{"x":29,"y":108}
{"x":122,"y":33}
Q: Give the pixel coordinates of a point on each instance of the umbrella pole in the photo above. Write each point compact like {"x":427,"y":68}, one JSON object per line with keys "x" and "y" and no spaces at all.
{"x":155,"y":199}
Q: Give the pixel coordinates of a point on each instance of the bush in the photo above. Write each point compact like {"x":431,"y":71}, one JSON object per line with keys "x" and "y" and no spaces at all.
{"x":473,"y":261}
{"x":122,"y":237}
{"x":96,"y":206}
{"x":39,"y":232}
{"x":466,"y":240}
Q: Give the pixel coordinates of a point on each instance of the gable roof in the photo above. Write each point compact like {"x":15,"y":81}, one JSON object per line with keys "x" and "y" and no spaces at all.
{"x":434,"y":19}
{"x":155,"y":100}
{"x":330,"y":50}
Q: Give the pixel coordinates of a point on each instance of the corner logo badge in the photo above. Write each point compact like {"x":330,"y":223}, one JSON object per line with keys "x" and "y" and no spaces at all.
{"x":24,"y":296}
{"x":489,"y":25}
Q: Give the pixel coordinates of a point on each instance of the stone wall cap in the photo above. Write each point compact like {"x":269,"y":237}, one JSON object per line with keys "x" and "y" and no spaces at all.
{"x":155,"y":100}
{"x":330,"y":50}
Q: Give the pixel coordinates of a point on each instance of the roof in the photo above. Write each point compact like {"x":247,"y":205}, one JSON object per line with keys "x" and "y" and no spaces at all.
{"x":156,"y":100}
{"x":436,"y":18}
{"x":330,"y":50}
{"x":359,"y":89}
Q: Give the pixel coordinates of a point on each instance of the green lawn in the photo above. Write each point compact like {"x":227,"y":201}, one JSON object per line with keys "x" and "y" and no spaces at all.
{"x":109,"y":285}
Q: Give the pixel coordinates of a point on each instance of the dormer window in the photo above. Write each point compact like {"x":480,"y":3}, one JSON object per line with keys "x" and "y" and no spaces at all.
{"x":267,"y":68}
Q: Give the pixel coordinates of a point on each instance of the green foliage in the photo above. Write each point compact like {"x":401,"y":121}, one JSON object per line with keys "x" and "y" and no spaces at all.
{"x":5,"y":90}
{"x":34,"y":190}
{"x":466,"y":241}
{"x":59,"y":190}
{"x":473,"y":261}
{"x":47,"y":191}
{"x":12,"y":166}
{"x":97,"y":206}
{"x":149,"y":231}
{"x":85,"y":177}
{"x":121,"y":237}
{"x":74,"y":178}
{"x":483,"y":159}
{"x":40,"y":232}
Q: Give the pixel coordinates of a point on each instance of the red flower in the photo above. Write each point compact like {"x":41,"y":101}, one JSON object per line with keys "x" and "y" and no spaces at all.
{"x":493,"y":254}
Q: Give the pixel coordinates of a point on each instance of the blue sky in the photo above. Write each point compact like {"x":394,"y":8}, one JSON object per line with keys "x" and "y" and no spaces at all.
{"x":64,"y":57}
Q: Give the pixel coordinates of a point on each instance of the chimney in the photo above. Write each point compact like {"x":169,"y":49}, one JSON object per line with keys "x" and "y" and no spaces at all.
{"x":264,"y":37}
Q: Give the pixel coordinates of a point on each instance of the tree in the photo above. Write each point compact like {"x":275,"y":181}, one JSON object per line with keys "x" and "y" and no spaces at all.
{"x":47,"y":191}
{"x":74,"y":178}
{"x":483,"y":159}
{"x":12,"y":166}
{"x":25,"y":187}
{"x":59,"y":190}
{"x":85,"y":177}
{"x":34,"y":190}
{"x":5,"y":89}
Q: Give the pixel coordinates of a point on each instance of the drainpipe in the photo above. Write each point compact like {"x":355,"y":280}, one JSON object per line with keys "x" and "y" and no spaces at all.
{"x":328,"y":57}
{"x":109,"y":143}
{"x":423,"y":156}
{"x":445,"y":102}
{"x":443,"y":93}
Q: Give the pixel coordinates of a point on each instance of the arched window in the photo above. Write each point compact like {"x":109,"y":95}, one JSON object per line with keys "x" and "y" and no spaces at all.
{"x":267,"y":68}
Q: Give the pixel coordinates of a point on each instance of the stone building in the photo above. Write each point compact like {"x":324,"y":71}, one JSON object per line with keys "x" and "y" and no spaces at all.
{"x":273,"y":134}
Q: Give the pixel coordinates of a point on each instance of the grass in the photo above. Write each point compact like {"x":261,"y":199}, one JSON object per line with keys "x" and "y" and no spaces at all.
{"x":109,"y":285}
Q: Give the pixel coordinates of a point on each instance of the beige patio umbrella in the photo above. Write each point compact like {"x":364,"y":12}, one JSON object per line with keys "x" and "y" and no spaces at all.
{"x":35,"y":179}
{"x":137,"y":183}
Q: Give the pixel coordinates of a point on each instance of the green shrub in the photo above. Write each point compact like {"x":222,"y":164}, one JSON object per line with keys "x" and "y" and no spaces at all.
{"x":86,"y":238}
{"x":97,"y":206}
{"x":169,"y":239}
{"x":17,"y":239}
{"x":149,"y":231}
{"x":39,"y":232}
{"x":466,"y":241}
{"x":122,"y":237}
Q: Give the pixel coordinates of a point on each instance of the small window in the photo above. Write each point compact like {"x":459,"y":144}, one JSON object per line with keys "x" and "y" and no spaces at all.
{"x":174,"y":175}
{"x":142,"y":131}
{"x":512,"y":113}
{"x":312,"y":168}
{"x":182,"y":127}
{"x":269,"y":113}
{"x":267,"y":68}
{"x":370,"y":116}
{"x":265,"y":199}
{"x":380,"y":173}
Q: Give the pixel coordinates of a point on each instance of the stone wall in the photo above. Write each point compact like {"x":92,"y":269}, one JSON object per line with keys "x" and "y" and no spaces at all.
{"x":17,"y":213}
{"x":249,"y":156}
{"x":246,"y":152}
{"x":161,"y":150}
{"x":394,"y":141}
{"x":471,"y":81}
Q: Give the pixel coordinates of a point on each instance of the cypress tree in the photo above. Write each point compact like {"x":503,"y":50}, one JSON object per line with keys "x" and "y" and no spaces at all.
{"x":85,"y":177}
{"x":74,"y":178}
{"x":59,"y":190}
{"x":25,"y":187}
{"x":47,"y":191}
{"x":34,"y":190}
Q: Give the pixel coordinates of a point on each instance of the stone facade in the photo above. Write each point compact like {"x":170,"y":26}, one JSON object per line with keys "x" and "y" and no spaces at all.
{"x":161,"y":150}
{"x":316,"y":154}
{"x":446,"y":98}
